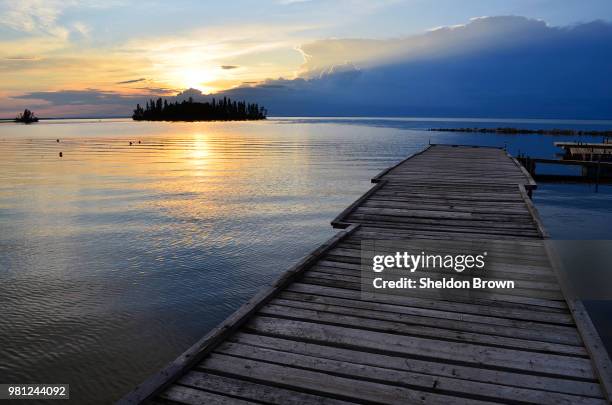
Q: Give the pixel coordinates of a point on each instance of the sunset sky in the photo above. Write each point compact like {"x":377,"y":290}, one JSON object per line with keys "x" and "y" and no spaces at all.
{"x":53,"y":52}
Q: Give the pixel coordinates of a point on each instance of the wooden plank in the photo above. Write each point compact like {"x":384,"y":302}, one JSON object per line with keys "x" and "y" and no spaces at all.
{"x":538,"y":308}
{"x":470,"y":215}
{"x":547,"y":298}
{"x":569,"y":162}
{"x":478,"y":224}
{"x":252,"y":391}
{"x":508,"y":359}
{"x":463,"y":372}
{"x":370,"y":320}
{"x":376,"y":232}
{"x":453,"y":306}
{"x":445,"y":319}
{"x":384,"y":375}
{"x":187,"y":395}
{"x":377,"y":178}
{"x":379,"y":232}
{"x":522,"y":280}
{"x":326,"y":384}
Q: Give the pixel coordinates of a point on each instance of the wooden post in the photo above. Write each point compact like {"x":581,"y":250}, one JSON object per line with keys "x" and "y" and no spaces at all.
{"x":597,"y":175}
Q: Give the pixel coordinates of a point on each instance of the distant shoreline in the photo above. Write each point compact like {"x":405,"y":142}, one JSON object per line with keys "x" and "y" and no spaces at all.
{"x":483,"y":121}
{"x":520,"y":131}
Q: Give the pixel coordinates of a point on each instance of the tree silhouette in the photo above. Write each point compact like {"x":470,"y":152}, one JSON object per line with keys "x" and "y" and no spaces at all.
{"x":26,"y":117}
{"x":223,"y":110}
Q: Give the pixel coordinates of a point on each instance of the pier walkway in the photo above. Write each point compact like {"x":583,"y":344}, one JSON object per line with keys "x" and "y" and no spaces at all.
{"x":313,"y":338}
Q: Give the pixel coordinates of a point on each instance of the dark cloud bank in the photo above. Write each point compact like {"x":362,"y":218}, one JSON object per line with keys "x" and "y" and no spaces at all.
{"x":495,"y":67}
{"x":491,"y":67}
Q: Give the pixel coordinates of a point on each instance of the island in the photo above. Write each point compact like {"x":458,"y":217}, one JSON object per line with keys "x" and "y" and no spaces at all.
{"x":27,"y":117}
{"x":190,"y":110}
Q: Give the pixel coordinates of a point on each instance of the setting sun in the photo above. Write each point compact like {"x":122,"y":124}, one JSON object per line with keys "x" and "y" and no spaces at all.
{"x":194,"y":78}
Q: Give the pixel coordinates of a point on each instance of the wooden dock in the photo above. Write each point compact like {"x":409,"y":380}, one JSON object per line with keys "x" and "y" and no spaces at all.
{"x":313,"y":338}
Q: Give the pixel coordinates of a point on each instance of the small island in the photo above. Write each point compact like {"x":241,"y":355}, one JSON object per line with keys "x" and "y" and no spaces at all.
{"x":189,"y":110}
{"x":27,"y":117}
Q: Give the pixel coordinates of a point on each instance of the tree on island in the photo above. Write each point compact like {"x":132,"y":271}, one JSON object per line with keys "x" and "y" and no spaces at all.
{"x":189,"y":110}
{"x":26,"y":117}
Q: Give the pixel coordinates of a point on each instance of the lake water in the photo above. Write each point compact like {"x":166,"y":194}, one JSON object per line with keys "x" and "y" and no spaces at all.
{"x":116,"y":258}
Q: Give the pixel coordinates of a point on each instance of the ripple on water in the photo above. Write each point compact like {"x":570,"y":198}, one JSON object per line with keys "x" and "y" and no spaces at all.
{"x":115,"y":258}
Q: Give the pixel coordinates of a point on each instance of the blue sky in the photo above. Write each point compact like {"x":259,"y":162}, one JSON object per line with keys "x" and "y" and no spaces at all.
{"x":76,"y":56}
{"x":117,"y":20}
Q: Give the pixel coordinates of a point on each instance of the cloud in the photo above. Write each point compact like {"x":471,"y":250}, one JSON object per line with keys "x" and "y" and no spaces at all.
{"x":158,"y":91}
{"x":89,"y":102}
{"x":76,"y":97}
{"x":479,"y":33}
{"x":72,"y":103}
{"x":33,"y":16}
{"x":142,"y":79}
{"x":42,"y":17}
{"x":21,"y":58}
{"x":81,"y":29}
{"x":289,"y":2}
{"x":491,"y":66}
{"x":210,"y":57}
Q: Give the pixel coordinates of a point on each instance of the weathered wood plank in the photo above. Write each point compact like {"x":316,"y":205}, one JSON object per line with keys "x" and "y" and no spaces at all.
{"x":335,"y":289}
{"x":553,"y":298}
{"x":441,"y":384}
{"x":327,"y":384}
{"x":465,"y":373}
{"x":251,"y":391}
{"x":187,"y":395}
{"x":342,"y":316}
{"x":508,"y":359}
{"x":522,"y":280}
{"x":516,"y":306}
{"x":451,"y":320}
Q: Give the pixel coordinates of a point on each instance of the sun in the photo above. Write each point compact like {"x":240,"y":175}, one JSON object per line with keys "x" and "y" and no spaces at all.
{"x":196,"y":78}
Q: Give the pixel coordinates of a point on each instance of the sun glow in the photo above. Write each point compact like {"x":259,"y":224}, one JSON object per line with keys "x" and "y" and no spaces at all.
{"x":195,"y":78}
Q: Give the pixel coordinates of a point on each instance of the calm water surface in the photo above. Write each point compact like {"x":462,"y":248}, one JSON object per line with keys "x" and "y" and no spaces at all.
{"x":116,"y":258}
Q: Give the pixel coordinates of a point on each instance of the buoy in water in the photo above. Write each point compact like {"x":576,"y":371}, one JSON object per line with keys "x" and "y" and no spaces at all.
{"x":138,"y":141}
{"x":57,"y":140}
{"x":61,"y":154}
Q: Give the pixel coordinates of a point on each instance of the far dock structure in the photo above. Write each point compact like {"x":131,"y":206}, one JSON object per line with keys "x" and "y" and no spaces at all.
{"x":592,"y":152}
{"x":312,"y":337}
{"x":594,"y":160}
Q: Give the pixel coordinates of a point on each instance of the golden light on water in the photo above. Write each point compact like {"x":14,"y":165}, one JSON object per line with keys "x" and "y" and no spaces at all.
{"x":200,"y":149}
